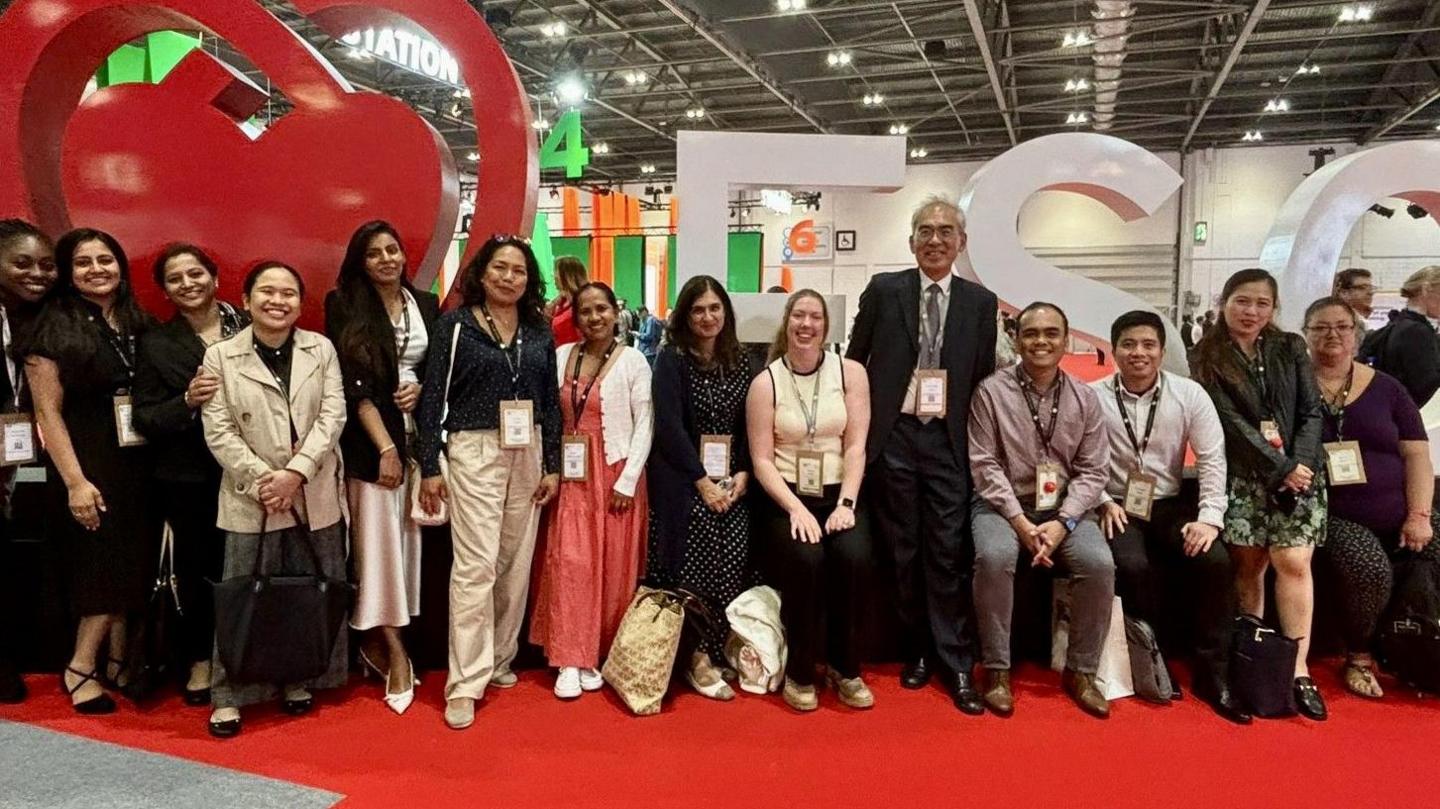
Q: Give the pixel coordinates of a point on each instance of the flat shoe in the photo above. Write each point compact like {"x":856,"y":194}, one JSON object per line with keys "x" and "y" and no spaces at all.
{"x":459,"y":713}
{"x":227,"y":729}
{"x":1308,"y":700}
{"x":196,"y":697}
{"x":298,"y":707}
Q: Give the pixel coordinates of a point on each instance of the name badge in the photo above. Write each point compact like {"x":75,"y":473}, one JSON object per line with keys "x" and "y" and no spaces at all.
{"x":1270,"y":431}
{"x":715,"y":456}
{"x":125,"y":432}
{"x":575,"y":457}
{"x":810,"y":473}
{"x":517,"y":421}
{"x":1047,"y":486}
{"x":930,"y":393}
{"x":1139,"y":495}
{"x":18,"y":433}
{"x":1344,"y":463}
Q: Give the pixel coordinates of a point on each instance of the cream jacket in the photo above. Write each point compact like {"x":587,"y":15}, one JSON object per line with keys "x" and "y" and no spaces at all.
{"x":626,"y":421}
{"x":247,"y":426}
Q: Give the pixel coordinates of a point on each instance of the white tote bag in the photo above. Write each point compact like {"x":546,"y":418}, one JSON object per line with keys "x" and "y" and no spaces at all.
{"x":1113,"y":677}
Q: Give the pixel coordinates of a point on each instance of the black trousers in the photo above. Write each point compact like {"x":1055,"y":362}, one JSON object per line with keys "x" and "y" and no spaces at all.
{"x":922,"y":512}
{"x":8,"y":635}
{"x":190,"y":508}
{"x":1151,"y":567}
{"x":822,"y":587}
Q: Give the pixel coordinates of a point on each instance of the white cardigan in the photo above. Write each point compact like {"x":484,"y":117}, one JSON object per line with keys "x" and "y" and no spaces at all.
{"x":626,"y":421}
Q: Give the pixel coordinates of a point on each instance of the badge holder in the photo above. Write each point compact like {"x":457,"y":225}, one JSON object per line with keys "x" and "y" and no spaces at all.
{"x":930,"y":397}
{"x":715,"y":456}
{"x":1139,"y":495}
{"x":1344,"y":463}
{"x":1047,"y":487}
{"x":517,"y":422}
{"x":125,"y":433}
{"x":1270,"y":431}
{"x":575,"y":458}
{"x":810,"y":473}
{"x":18,"y":432}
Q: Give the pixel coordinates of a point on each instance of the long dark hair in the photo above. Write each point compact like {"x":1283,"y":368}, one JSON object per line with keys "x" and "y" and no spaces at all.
{"x":678,"y":333}
{"x":1214,"y":359}
{"x":58,"y":326}
{"x":365,"y":341}
{"x":531,"y":305}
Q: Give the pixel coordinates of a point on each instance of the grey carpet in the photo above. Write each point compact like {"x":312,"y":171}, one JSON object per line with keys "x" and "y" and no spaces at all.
{"x":43,"y":769}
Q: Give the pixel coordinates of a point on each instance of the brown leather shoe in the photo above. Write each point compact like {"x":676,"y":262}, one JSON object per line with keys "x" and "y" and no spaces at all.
{"x":997,"y":694}
{"x":1081,"y":688}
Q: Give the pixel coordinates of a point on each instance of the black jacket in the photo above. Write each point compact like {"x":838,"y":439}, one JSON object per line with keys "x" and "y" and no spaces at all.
{"x":168,"y":357}
{"x":1409,"y":350}
{"x":1294,"y":404}
{"x":362,"y":461}
{"x":886,"y":340}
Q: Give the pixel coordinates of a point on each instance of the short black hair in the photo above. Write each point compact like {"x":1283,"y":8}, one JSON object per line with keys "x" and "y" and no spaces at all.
{"x":1037,"y":306}
{"x":1345,"y":279}
{"x":255,"y":272}
{"x":575,"y":299}
{"x":182,"y":249}
{"x":1135,"y":319}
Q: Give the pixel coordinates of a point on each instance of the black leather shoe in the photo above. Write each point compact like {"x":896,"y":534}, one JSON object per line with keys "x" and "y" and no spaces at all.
{"x":12,"y":688}
{"x":1308,"y":699}
{"x":95,"y":706}
{"x":298,"y":707}
{"x":915,"y":674}
{"x":195,"y":698}
{"x":1229,"y":707}
{"x":967,"y":699}
{"x":230,"y":728}
{"x":1175,"y":692}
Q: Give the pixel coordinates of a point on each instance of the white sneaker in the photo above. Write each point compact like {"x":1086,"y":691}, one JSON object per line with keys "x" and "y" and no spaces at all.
{"x":590,"y":680}
{"x":504,"y":679}
{"x":567,"y":683}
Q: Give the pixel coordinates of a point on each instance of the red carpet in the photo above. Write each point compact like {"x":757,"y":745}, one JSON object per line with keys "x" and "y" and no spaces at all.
{"x":528,"y":749}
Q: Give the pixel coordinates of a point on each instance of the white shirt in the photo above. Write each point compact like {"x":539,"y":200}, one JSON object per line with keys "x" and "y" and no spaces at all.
{"x":1185,"y":415}
{"x":626,"y":420}
{"x":410,"y":349}
{"x":907,"y":405}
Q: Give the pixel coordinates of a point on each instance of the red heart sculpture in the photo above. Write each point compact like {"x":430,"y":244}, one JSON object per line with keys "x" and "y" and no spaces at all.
{"x":154,"y":164}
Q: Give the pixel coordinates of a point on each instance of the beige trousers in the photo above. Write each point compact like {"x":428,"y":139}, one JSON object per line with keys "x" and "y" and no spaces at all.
{"x":492,"y":527}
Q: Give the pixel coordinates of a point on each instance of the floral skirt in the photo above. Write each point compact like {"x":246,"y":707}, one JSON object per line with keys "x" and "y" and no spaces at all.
{"x":1252,"y":521}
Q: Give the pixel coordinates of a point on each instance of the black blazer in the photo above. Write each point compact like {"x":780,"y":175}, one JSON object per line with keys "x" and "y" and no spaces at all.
{"x":1409,"y":350}
{"x":1294,"y":404}
{"x":167,"y":359}
{"x":886,"y":340}
{"x":362,"y":462}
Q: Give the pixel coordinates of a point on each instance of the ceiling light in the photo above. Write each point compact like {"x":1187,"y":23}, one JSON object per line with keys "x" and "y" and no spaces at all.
{"x":1277,"y":105}
{"x":553,"y":29}
{"x":600,"y":148}
{"x":635,"y":77}
{"x":918,"y":152}
{"x":1253,"y":135}
{"x":1077,"y":118}
{"x":1308,"y":70}
{"x":1360,"y":13}
{"x":539,"y":124}
{"x":570,"y":90}
{"x":838,"y":58}
{"x":455,"y":110}
{"x":695,"y":113}
{"x":1076,"y":39}
{"x":873,"y":99}
{"x":899,"y":129}
{"x":473,"y":157}
{"x":647,"y":168}
{"x":1076,"y":85}
{"x":790,"y":5}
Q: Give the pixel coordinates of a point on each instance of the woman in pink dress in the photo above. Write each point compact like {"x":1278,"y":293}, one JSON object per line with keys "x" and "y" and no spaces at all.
{"x":595,"y":545}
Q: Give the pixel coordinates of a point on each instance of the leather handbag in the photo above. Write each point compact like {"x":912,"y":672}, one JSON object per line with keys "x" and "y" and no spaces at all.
{"x":440,"y":516}
{"x":1262,"y":668}
{"x":642,"y":655}
{"x":280,"y":628}
{"x":149,"y":656}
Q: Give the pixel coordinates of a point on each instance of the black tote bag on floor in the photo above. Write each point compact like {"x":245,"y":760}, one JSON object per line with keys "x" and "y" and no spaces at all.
{"x":1262,"y":668}
{"x":280,"y":628}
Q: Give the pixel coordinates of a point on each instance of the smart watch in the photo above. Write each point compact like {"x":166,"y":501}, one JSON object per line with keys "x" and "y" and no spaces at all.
{"x":848,"y":503}
{"x":1069,"y":523}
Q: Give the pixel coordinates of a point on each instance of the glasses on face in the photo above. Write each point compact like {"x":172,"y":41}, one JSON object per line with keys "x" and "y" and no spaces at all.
{"x":947,"y":233}
{"x":1337,"y":329}
{"x":1360,"y":288}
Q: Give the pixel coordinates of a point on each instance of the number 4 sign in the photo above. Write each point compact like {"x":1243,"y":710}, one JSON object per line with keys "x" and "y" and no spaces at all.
{"x":565,"y":147}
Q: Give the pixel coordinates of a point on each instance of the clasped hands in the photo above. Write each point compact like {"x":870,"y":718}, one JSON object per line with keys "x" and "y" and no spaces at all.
{"x":1040,"y":540}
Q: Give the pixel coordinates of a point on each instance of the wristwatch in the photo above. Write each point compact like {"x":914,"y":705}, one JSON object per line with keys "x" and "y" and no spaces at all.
{"x":1069,"y":523}
{"x":848,"y":503}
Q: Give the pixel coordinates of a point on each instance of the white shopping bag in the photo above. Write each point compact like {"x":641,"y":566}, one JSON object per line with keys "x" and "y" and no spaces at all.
{"x":1113,"y":677}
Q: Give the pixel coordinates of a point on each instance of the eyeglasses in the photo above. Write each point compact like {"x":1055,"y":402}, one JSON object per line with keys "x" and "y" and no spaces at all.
{"x":1359,"y":288}
{"x":1339,"y":330}
{"x":509,"y":238}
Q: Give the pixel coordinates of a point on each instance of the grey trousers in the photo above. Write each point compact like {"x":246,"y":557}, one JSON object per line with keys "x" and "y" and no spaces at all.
{"x":1084,"y":556}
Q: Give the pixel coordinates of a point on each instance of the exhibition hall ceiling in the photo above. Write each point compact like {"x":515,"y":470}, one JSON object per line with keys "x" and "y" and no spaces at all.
{"x":962,"y":79}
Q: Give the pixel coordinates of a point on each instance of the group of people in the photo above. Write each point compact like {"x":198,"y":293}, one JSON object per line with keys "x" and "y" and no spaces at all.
{"x":272,"y":447}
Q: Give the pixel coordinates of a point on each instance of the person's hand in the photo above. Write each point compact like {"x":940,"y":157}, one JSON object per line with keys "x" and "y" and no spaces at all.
{"x":201,"y":389}
{"x":278,"y":489}
{"x":433,"y":492}
{"x":739,"y":484}
{"x":392,"y":469}
{"x":803,"y":526}
{"x":1048,"y":536}
{"x":1113,"y":519}
{"x":715,"y":498}
{"x":86,"y":504}
{"x":1198,"y":537}
{"x":1416,"y":533}
{"x":841,"y":519}
{"x":1299,"y":479}
{"x":1025,"y":533}
{"x":545,"y":492}
{"x":407,"y":396}
{"x":620,"y":503}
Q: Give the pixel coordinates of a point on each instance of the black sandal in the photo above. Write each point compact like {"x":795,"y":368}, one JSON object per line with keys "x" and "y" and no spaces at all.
{"x":94,"y":706}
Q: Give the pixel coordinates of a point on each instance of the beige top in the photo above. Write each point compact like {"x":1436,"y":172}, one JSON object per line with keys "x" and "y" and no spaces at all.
{"x":793,"y":396}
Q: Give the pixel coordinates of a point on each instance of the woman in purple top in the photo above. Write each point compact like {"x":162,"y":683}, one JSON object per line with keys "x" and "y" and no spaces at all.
{"x":1385,"y":517}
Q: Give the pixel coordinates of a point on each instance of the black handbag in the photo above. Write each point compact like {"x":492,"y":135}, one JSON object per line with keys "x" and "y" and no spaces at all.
{"x":1262,"y":668}
{"x":279,"y":628}
{"x":1409,"y":637}
{"x":149,"y":656}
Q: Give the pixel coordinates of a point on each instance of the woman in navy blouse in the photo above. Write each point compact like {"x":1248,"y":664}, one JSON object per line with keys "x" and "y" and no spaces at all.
{"x":490,"y":386}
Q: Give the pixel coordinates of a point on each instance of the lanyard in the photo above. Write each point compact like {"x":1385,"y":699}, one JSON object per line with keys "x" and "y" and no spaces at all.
{"x":812,"y":414}
{"x":1335,"y":408}
{"x":578,"y":406}
{"x":124,"y":346}
{"x":519,"y":344}
{"x":1025,"y":388}
{"x":12,"y":369}
{"x":405,"y":342}
{"x":1255,"y":369}
{"x":1140,"y":445}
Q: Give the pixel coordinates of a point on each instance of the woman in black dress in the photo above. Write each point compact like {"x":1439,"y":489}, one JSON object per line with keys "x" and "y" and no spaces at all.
{"x":80,"y":365}
{"x":170,"y":388}
{"x":699,"y":521}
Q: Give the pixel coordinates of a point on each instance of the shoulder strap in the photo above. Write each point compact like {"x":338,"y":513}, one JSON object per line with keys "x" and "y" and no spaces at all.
{"x":449,"y":372}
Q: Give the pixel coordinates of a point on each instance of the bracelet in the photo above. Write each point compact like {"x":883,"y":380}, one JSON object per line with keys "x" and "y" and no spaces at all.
{"x":185,"y":397}
{"x":390,"y":448}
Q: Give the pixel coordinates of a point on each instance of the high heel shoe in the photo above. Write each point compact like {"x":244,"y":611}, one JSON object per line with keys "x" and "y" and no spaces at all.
{"x":369,"y":666}
{"x":401,"y":701}
{"x":94,"y":706}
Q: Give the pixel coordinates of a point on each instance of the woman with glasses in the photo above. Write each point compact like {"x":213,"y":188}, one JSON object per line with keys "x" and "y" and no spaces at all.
{"x":1269,"y":409}
{"x":1381,"y":483}
{"x":490,"y":389}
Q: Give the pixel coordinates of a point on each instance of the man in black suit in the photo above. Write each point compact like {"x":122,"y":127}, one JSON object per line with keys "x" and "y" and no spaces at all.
{"x":927,"y":338}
